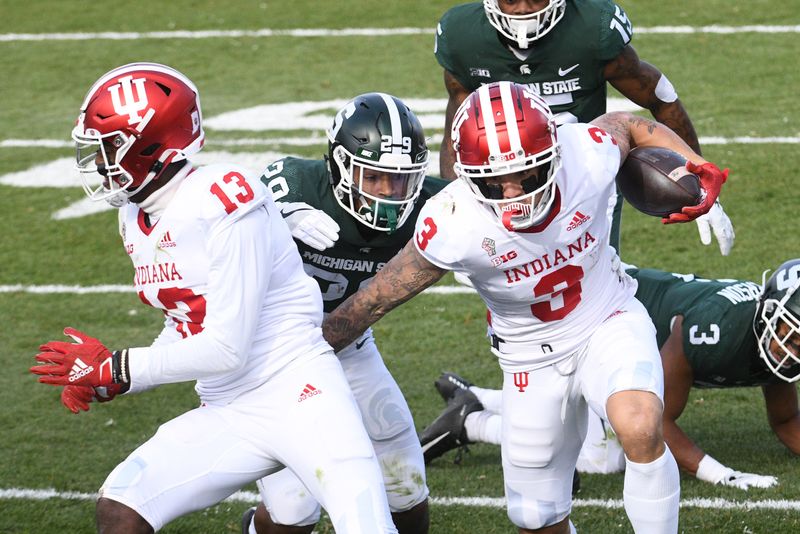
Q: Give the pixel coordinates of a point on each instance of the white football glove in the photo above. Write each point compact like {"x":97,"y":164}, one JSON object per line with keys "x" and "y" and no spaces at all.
{"x":313,"y":227}
{"x":710,"y":470}
{"x":717,"y":220}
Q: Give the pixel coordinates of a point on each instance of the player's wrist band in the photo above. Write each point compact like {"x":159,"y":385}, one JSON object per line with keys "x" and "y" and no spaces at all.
{"x":120,"y":371}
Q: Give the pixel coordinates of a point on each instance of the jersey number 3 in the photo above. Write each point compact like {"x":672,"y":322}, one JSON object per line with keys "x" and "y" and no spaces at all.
{"x":564,"y":288}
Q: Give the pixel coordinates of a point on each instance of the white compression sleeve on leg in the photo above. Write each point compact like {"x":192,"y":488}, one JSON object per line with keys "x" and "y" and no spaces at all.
{"x":652,"y":494}
{"x":492,"y":399}
{"x":483,"y":427}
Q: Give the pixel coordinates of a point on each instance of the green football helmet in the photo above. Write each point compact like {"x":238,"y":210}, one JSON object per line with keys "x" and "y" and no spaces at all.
{"x":777,"y":321}
{"x":377,"y":157}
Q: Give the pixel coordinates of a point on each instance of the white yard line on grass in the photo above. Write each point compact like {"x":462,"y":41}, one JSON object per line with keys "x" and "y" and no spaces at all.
{"x":84,"y":290}
{"x":474,"y":502}
{"x":318,"y":140}
{"x":344,"y":32}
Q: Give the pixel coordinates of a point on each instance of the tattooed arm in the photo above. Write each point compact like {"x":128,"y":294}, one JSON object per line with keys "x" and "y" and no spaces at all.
{"x":407,"y":274}
{"x":630,"y":131}
{"x":639,"y":81}
{"x":456,"y":94}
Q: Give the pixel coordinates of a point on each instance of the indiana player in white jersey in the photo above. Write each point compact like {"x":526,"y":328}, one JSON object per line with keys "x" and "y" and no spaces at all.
{"x":210,"y":249}
{"x":527,"y":224}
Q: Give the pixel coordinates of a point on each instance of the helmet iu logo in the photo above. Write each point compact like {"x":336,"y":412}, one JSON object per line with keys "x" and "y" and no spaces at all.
{"x":129,"y":104}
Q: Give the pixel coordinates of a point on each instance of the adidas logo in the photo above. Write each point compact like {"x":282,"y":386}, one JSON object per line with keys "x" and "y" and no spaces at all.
{"x":166,"y":241}
{"x":577,"y":220}
{"x":79,"y":370}
{"x":308,"y":392}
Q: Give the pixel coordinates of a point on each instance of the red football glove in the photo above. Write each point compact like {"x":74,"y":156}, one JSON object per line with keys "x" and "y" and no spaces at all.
{"x":77,"y":398}
{"x":84,"y":363}
{"x":711,"y":180}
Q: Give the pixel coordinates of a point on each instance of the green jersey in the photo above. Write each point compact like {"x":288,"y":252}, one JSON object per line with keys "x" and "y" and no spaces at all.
{"x":565,"y":66}
{"x":717,"y":332}
{"x":359,"y":252}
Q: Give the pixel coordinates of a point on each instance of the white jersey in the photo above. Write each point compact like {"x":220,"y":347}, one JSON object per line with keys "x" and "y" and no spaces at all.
{"x":222,"y":266}
{"x":549,"y":286}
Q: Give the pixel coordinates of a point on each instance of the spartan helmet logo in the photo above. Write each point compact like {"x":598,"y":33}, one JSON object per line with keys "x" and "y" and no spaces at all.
{"x":524,"y":70}
{"x":127,"y":103}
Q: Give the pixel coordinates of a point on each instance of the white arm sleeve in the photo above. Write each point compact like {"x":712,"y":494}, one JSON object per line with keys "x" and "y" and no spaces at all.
{"x":240,"y":269}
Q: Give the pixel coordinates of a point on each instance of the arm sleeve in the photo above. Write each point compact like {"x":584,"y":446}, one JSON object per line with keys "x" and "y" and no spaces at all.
{"x":240,"y":269}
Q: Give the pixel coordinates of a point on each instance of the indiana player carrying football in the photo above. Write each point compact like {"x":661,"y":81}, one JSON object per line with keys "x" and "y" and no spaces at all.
{"x":350,"y":215}
{"x":526,"y":224}
{"x":712,"y":334}
{"x":210,"y":249}
{"x":566,"y":51}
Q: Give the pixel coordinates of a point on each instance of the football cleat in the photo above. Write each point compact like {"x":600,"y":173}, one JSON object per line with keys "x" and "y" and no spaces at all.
{"x":449,"y":383}
{"x":447,"y":431}
{"x":247,"y":518}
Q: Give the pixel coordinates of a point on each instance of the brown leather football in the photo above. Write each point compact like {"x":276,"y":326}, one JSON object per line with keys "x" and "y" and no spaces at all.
{"x":655,"y":181}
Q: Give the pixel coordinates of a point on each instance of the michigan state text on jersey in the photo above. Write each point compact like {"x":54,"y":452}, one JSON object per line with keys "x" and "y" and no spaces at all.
{"x":565,"y":67}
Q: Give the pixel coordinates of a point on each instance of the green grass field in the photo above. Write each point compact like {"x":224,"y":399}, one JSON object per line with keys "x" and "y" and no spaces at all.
{"x":734,"y":85}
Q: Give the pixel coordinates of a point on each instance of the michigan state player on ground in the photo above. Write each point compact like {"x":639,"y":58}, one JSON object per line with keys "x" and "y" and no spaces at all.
{"x":566,"y":51}
{"x":348,"y":214}
{"x":712,"y":334}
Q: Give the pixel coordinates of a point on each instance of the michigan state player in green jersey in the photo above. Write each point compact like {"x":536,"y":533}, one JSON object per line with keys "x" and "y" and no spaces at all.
{"x":711,"y":334}
{"x":349,"y":214}
{"x":566,"y":50}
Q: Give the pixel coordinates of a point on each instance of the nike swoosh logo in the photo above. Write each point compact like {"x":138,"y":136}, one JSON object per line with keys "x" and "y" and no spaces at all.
{"x":287,"y":213}
{"x":361,"y":344}
{"x":433,"y":442}
{"x":564,"y":72}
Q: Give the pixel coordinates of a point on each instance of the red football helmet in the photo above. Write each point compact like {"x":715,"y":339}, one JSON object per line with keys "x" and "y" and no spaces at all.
{"x":136,"y":120}
{"x":503,"y":128}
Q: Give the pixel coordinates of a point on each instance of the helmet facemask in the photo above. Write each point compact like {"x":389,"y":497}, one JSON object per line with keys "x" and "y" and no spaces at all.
{"x":533,"y":205}
{"x":524,"y":29}
{"x":379,"y":194}
{"x":115,"y":180}
{"x":777,"y":326}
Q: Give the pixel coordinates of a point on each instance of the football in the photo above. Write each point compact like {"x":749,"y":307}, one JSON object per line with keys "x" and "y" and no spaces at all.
{"x":655,"y":181}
